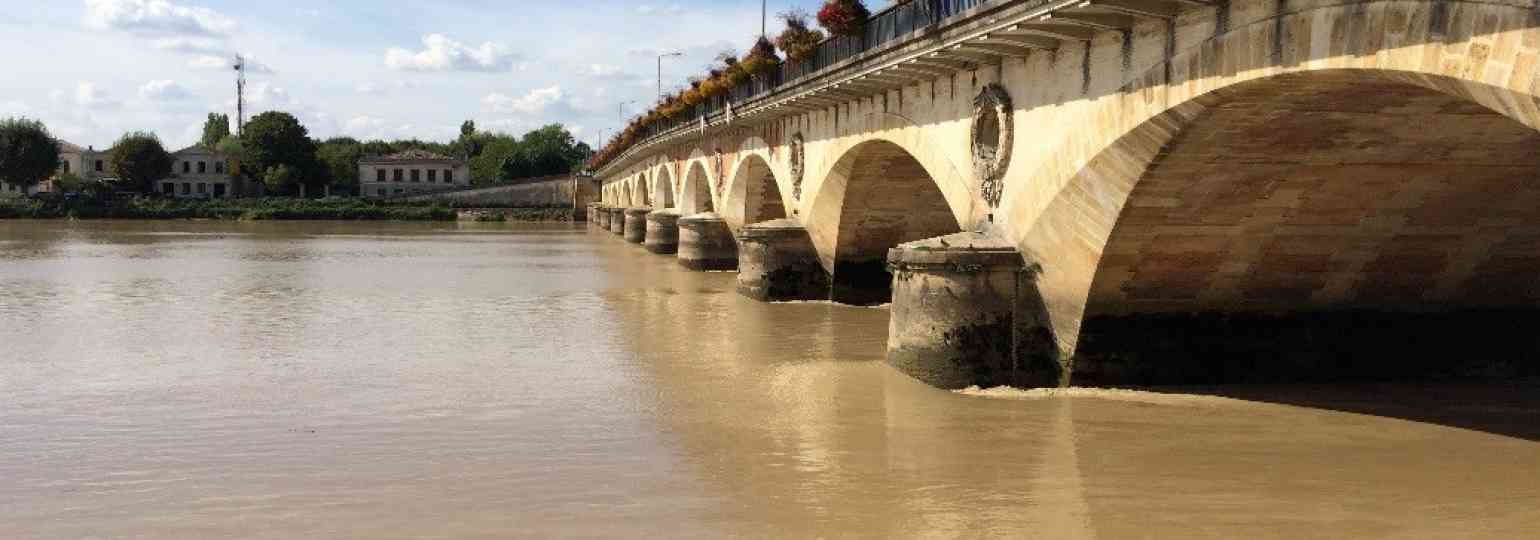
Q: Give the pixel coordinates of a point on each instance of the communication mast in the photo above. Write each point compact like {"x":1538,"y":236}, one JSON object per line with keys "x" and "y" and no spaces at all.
{"x":240,"y":95}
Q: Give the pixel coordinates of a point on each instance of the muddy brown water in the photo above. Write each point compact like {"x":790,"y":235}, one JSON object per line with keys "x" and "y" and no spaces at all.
{"x":319,"y":380}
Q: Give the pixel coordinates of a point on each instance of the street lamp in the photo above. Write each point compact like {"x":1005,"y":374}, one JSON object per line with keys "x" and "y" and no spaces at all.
{"x":622,"y":114}
{"x":660,"y":71}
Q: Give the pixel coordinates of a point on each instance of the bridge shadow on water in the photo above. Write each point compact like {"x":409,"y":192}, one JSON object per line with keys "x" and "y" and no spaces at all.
{"x":1509,"y":408}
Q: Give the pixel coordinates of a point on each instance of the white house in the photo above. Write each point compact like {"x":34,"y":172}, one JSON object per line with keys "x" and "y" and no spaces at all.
{"x":412,"y":171}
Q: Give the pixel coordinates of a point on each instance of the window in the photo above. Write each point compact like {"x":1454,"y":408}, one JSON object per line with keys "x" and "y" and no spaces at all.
{"x":381,"y":191}
{"x":432,"y":175}
{"x":98,"y":165}
{"x":203,"y":167}
{"x":168,"y":188}
{"x":219,"y":167}
{"x":379,"y":176}
{"x":186,"y":188}
{"x":398,"y":191}
{"x":203,"y":187}
{"x":449,"y":176}
{"x":186,"y":167}
{"x":396,"y":175}
{"x":65,"y":165}
{"x":416,"y":175}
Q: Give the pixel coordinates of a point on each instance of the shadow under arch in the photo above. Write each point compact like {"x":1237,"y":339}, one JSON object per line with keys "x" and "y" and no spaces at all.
{"x":875,"y":197}
{"x":1325,"y":225}
{"x":754,"y":195}
{"x":695,"y":195}
{"x":627,"y":198}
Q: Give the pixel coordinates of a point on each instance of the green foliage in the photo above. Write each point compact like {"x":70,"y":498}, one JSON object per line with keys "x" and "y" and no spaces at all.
{"x":339,"y":158}
{"x":215,"y":129}
{"x":486,"y":168}
{"x":138,"y":159}
{"x":67,"y":182}
{"x":798,"y":40}
{"x":28,"y":154}
{"x":233,"y":209}
{"x":274,"y":139}
{"x":278,"y":179}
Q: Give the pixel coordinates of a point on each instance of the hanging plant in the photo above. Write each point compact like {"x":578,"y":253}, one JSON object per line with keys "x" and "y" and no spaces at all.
{"x":761,"y":60}
{"x":798,"y":41}
{"x":844,"y":17}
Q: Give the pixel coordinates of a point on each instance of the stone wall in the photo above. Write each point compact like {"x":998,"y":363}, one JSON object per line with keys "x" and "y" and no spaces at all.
{"x":564,"y":192}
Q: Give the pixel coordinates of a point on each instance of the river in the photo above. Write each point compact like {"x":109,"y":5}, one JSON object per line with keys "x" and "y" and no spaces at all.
{"x":403,"y":380}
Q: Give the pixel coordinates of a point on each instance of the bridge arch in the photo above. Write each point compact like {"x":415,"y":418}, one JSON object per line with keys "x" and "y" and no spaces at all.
{"x":875,"y":197}
{"x":753,"y":195}
{"x":1284,"y":206}
{"x":695,"y":196}
{"x":663,"y":189}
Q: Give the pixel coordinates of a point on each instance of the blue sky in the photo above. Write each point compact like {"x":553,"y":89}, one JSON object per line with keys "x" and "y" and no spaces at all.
{"x":93,"y":69}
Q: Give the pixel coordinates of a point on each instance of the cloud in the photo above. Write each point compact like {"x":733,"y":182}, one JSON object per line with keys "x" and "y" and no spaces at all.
{"x":443,"y":54}
{"x":155,"y":17}
{"x":203,"y":46}
{"x":605,"y":72}
{"x":534,"y":102}
{"x":88,"y":96}
{"x":227,"y":63}
{"x":163,"y":90}
{"x":672,"y":9}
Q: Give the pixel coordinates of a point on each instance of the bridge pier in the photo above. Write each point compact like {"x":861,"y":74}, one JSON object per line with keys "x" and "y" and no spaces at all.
{"x":593,"y":213}
{"x":778,"y":263}
{"x":634,"y":224}
{"x":706,"y":243}
{"x":662,"y":232}
{"x":617,"y":220}
{"x":966,"y":312}
{"x":602,"y":217}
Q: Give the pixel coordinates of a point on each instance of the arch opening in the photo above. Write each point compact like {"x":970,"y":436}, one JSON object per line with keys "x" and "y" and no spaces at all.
{"x":882,"y":197}
{"x":1323,"y":226}
{"x":695,"y":197}
{"x":757,"y":192}
{"x":665,"y":189}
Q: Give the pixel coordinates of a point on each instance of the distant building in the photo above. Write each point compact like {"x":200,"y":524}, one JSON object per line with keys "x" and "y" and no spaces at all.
{"x":198,"y":173}
{"x":412,"y":171}
{"x":83,"y":162}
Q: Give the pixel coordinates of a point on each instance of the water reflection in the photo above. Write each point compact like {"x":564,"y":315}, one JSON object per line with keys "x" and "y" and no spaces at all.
{"x":445,"y":380}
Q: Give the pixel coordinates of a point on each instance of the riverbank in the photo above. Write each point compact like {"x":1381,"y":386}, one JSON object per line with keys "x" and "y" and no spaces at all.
{"x":268,"y":209}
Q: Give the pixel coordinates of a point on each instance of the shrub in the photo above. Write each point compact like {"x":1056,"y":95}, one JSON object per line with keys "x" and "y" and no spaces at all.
{"x":798,"y":41}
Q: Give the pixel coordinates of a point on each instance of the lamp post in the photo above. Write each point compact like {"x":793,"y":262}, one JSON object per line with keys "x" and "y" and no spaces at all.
{"x":621,"y":115}
{"x":660,"y":71}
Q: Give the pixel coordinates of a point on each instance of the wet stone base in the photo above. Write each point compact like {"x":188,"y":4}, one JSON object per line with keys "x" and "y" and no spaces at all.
{"x":1229,"y":348}
{"x":861,"y":283}
{"x":708,"y":265}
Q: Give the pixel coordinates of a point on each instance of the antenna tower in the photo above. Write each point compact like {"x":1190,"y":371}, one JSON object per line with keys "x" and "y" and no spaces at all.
{"x":240,"y":95}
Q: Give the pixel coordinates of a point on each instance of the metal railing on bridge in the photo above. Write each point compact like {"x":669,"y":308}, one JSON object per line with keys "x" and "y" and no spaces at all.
{"x":886,"y":27}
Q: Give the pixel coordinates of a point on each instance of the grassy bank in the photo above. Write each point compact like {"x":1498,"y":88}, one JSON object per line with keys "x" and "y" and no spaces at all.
{"x":227,"y":209}
{"x":523,"y":214}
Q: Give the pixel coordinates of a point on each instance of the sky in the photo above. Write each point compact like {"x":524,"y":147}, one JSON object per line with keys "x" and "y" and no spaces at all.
{"x":92,"y":70}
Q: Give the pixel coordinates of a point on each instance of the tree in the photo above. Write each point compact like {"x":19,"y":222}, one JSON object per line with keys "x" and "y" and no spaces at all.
{"x":339,"y":158}
{"x":66,"y":182}
{"x":139,"y":160}
{"x":215,"y":129}
{"x":274,"y":139}
{"x":486,"y":167}
{"x":28,"y":154}
{"x":553,"y":150}
{"x":278,"y":179}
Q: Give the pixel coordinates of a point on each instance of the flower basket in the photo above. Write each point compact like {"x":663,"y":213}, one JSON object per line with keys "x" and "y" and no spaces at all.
{"x":844,"y":17}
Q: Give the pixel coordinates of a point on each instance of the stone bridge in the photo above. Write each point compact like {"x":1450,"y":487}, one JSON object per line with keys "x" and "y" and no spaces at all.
{"x":1138,"y":191}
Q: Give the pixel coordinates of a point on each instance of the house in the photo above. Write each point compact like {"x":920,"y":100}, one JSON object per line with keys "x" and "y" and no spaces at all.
{"x":198,"y":172}
{"x":412,"y":171}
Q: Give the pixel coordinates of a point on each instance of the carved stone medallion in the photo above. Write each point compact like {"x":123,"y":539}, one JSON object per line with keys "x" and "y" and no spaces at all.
{"x":993,"y":132}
